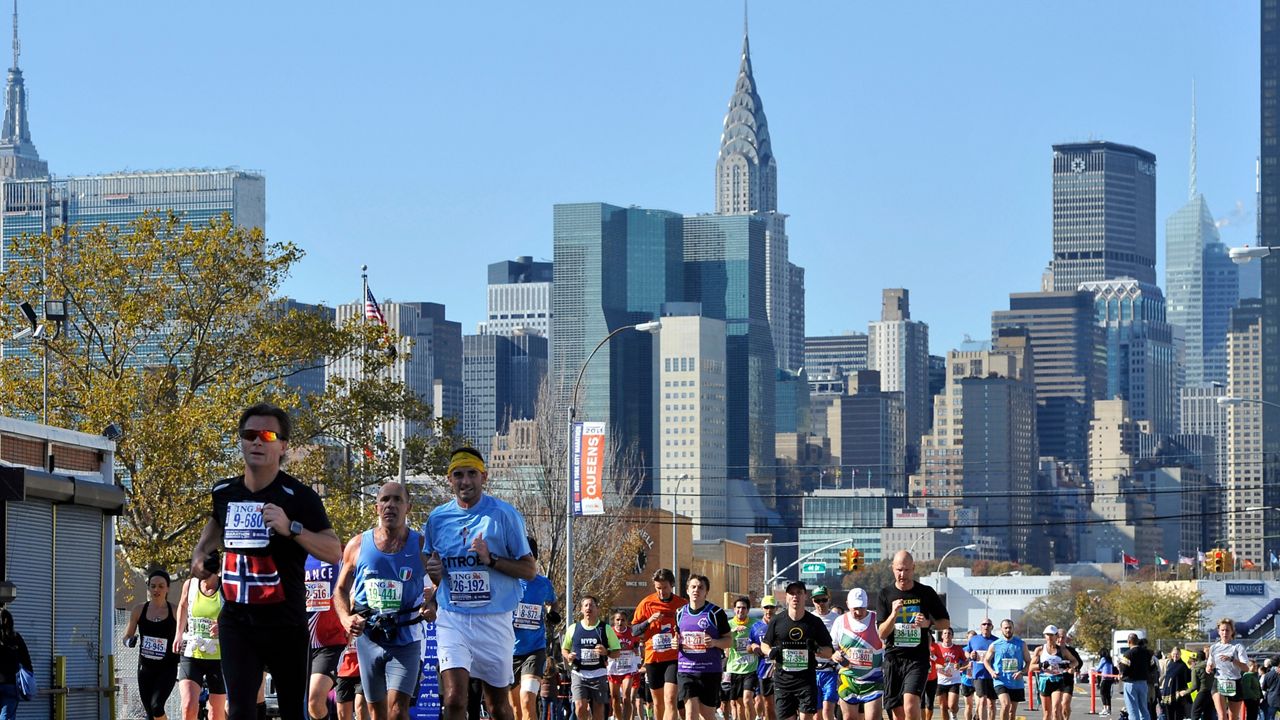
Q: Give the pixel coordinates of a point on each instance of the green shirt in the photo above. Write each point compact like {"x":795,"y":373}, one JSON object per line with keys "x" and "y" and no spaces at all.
{"x":741,"y":662}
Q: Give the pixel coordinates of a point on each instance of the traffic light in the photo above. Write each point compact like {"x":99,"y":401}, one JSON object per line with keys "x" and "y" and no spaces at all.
{"x":857,"y":559}
{"x":847,"y":557}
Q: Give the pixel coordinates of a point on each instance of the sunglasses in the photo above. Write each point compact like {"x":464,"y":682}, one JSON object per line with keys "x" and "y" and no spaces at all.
{"x":266,"y":435}
{"x":986,"y":624}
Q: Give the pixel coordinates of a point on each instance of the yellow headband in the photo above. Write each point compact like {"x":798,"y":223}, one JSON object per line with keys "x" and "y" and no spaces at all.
{"x":465,"y":460}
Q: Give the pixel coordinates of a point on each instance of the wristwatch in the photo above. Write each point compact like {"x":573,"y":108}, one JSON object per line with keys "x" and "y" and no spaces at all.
{"x":493,"y":560}
{"x":295,"y":529}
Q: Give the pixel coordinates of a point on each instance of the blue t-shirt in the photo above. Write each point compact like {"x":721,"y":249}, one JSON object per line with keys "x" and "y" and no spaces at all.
{"x":530,"y":617}
{"x":765,"y":668}
{"x":469,"y":587}
{"x":1007,"y":658}
{"x":391,"y":584}
{"x":979,"y":643}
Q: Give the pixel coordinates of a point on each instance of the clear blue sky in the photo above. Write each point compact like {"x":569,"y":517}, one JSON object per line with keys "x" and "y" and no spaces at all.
{"x":430,"y":139}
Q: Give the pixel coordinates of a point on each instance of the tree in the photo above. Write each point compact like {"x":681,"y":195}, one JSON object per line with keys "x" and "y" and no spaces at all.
{"x":534,"y":478}
{"x":1060,"y":606}
{"x":170,"y":334}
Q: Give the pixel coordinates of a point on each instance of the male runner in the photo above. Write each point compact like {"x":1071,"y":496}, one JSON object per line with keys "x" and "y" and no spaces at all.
{"x":795,"y":640}
{"x":703,"y":637}
{"x":905,"y":610}
{"x":984,"y":687}
{"x":860,"y":655}
{"x":654,"y":620}
{"x":588,"y":646}
{"x":1007,"y":661}
{"x":765,"y":670}
{"x":537,"y":607}
{"x":742,"y":662}
{"x":827,"y":675}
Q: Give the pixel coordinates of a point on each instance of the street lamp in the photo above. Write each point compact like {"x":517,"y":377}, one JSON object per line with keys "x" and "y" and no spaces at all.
{"x":943,"y":531}
{"x":1242,"y":255}
{"x":942,"y":576}
{"x":1229,"y":402}
{"x":55,"y":311}
{"x":650,"y":327}
{"x":675,"y":527}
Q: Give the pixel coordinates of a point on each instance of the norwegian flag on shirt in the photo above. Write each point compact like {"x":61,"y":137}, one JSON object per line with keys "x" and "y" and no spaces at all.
{"x":251,"y":579}
{"x":372,"y":311}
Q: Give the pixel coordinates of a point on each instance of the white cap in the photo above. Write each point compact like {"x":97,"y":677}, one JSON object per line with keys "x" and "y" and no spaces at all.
{"x":857,"y":598}
{"x":1050,"y":630}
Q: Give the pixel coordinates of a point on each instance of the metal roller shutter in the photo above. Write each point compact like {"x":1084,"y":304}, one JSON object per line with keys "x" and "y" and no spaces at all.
{"x":78,"y":593}
{"x":29,"y":565}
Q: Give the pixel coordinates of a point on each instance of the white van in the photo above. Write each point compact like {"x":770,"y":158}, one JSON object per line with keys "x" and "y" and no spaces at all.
{"x":1120,"y":641}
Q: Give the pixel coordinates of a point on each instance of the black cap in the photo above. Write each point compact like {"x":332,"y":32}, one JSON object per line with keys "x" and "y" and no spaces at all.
{"x":796,"y":586}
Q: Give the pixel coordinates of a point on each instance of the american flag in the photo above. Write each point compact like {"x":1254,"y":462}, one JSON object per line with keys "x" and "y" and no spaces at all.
{"x":251,"y":579}
{"x":371,"y":309}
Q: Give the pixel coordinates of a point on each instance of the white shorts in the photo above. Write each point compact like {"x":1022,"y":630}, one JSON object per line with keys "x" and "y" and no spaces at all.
{"x":481,"y":644}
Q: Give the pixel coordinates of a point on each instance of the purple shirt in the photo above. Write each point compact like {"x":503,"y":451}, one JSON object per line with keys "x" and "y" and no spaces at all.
{"x":697,"y":628}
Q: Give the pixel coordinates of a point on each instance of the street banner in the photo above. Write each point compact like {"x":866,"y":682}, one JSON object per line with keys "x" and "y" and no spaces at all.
{"x":586,"y":470}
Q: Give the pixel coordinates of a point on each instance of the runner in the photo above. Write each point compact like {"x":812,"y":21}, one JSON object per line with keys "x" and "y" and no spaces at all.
{"x":377,"y":596}
{"x":905,"y":610}
{"x":984,"y":687}
{"x":1070,"y":654}
{"x":624,"y":671}
{"x":479,"y":553}
{"x":1007,"y":661}
{"x":1226,"y":662}
{"x":950,"y":662}
{"x":588,"y":646}
{"x":151,"y":628}
{"x":966,"y":680}
{"x":703,"y":637}
{"x":765,"y":670}
{"x":348,"y":694}
{"x":536,"y":609}
{"x":930,"y":683}
{"x":742,"y":663}
{"x":1053,"y":668}
{"x":654,"y":620}
{"x":201,"y":663}
{"x":268,"y":521}
{"x":328,"y":636}
{"x":859,"y":652}
{"x":795,"y":640}
{"x":828,"y":677}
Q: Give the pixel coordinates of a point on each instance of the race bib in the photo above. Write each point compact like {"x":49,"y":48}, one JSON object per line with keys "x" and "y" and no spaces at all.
{"x":740,"y":644}
{"x":589,"y":655}
{"x":1226,"y":687}
{"x":694,"y":641}
{"x":318,"y":597}
{"x":628,"y":662}
{"x":528,"y":616}
{"x":202,"y":628}
{"x":1009,"y":665}
{"x":662,"y":642}
{"x":906,"y":634}
{"x":382,"y":595}
{"x":153,"y":648}
{"x":860,"y":657}
{"x":795,"y":659}
{"x":244,"y":527}
{"x":469,"y":588}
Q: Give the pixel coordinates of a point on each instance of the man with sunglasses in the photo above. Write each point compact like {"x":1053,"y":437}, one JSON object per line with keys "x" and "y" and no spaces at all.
{"x":479,"y":553}
{"x":984,"y":686}
{"x":267,"y":521}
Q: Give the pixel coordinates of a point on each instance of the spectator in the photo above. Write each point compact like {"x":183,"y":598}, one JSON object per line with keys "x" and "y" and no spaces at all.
{"x":13,"y":655}
{"x":1106,"y":681}
{"x":1270,"y":690}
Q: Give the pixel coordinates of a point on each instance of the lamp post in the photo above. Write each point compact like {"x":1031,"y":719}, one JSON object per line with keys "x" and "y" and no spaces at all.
{"x":942,"y":577}
{"x":55,"y":311}
{"x":912,"y":547}
{"x":649,"y":327}
{"x":675,"y":528}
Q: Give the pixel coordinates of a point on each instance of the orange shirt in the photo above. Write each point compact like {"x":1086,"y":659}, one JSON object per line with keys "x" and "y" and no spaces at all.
{"x":663,"y":630}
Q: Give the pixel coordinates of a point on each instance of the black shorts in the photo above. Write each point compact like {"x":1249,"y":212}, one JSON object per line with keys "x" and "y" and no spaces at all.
{"x":950,"y":689}
{"x":966,"y":690}
{"x":703,"y":687}
{"x":788,"y":700}
{"x":766,"y":687}
{"x":985,"y":687}
{"x":1014,"y":694}
{"x":531,"y":664}
{"x":739,"y":684}
{"x":203,"y":672}
{"x":324,"y":660}
{"x":903,"y":675}
{"x":348,"y":688}
{"x":930,"y":691}
{"x":660,"y":674}
{"x":641,"y":684}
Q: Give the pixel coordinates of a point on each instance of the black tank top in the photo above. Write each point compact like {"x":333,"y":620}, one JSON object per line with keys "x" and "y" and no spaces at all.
{"x":155,"y":638}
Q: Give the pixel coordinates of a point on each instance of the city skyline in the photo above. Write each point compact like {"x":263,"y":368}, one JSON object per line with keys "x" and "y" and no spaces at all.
{"x":930,"y":100}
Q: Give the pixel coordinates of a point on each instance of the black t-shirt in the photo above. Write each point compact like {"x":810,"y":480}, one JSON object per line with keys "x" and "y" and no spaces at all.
{"x":262,"y":572}
{"x":919,"y":599}
{"x":799,"y":641}
{"x":1138,"y":668}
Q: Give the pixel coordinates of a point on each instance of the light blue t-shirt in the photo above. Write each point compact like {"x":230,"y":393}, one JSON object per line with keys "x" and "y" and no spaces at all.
{"x":1007,"y":658}
{"x":468,"y":586}
{"x":530,"y":618}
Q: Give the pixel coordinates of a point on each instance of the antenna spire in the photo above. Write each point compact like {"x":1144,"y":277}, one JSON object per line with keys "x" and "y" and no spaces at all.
{"x":744,"y":17}
{"x":1193,"y":140}
{"x":16,"y":44}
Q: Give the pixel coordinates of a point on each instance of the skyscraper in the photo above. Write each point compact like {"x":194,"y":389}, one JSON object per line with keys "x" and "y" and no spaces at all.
{"x":1246,"y":436}
{"x":747,"y":183}
{"x":500,"y":380}
{"x":1269,"y":235}
{"x":1201,"y":281}
{"x":898,"y":347}
{"x":1104,"y":214}
{"x":866,"y":430}
{"x":18,"y":156}
{"x":835,"y":356}
{"x":613,"y":267}
{"x":519,"y":297}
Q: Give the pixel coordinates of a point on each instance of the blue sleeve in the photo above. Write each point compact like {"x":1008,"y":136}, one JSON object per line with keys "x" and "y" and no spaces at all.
{"x":516,"y":538}
{"x":428,"y":545}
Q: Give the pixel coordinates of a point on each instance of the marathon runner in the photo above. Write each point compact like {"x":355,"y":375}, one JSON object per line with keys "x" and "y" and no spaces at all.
{"x":795,"y":641}
{"x":827,"y":675}
{"x":966,"y":680}
{"x":742,"y":662}
{"x":1064,"y":641}
{"x":624,"y":671}
{"x":1053,"y":667}
{"x":654,"y":620}
{"x":478,"y":554}
{"x":536,"y":609}
{"x":152,"y":628}
{"x":1007,"y":661}
{"x":1226,"y":662}
{"x":905,"y":610}
{"x":378,"y":596}
{"x":348,"y":694}
{"x":588,"y":646}
{"x":984,"y":687}
{"x":703,"y":637}
{"x":765,"y":669}
{"x":859,"y":652}
{"x":201,"y":663}
{"x":328,"y":636}
{"x":931,"y":682}
{"x":950,"y":662}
